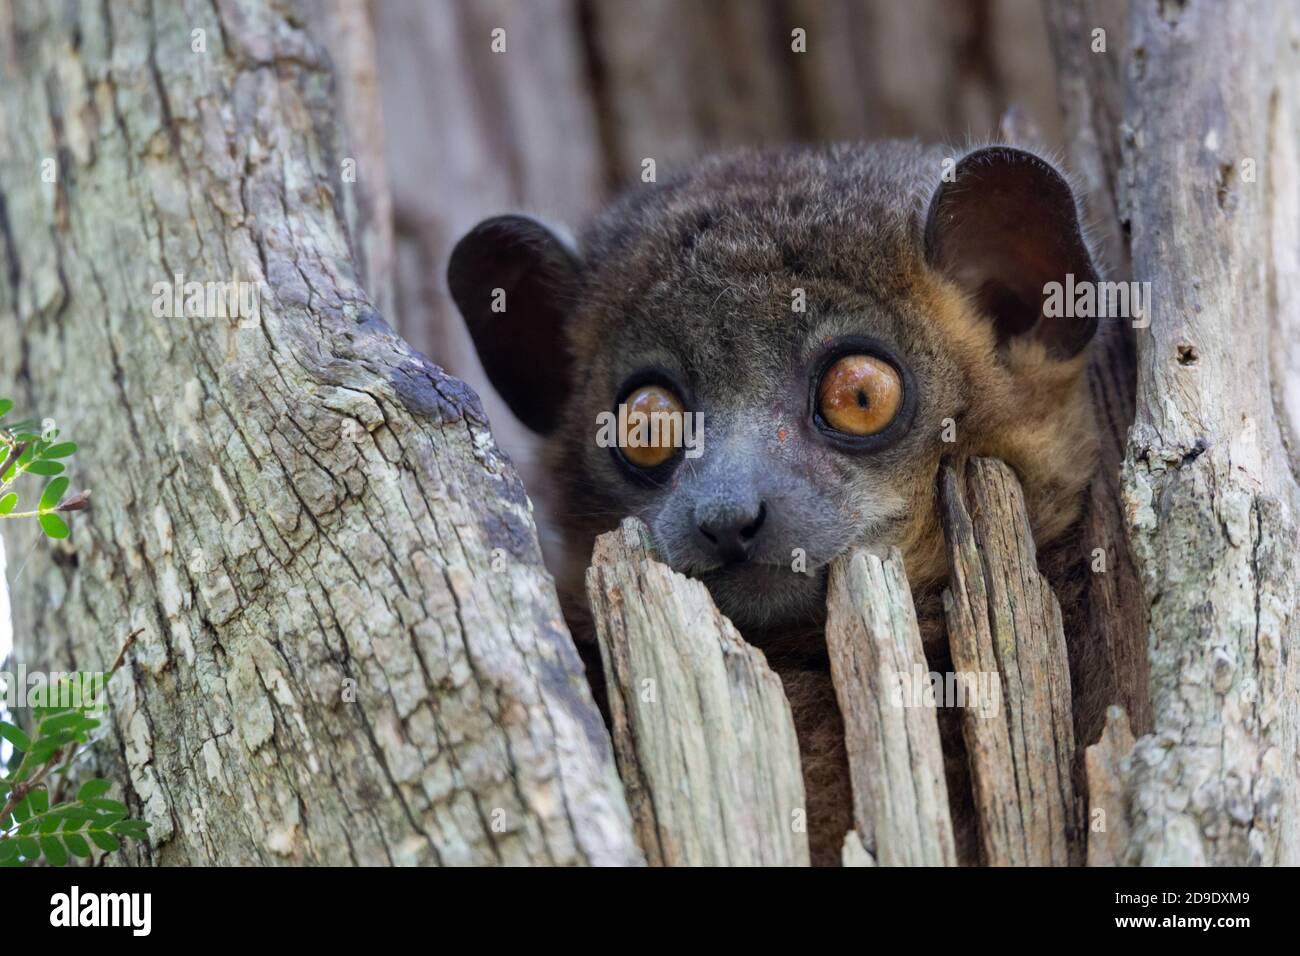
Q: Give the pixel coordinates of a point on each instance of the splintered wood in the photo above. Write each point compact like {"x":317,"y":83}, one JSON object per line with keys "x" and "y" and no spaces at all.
{"x":703,"y":734}
{"x":1004,"y":619}
{"x":706,"y":745}
{"x":1107,"y":766}
{"x":900,"y":799}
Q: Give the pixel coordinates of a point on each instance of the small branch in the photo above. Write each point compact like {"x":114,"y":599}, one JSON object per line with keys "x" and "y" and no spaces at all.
{"x":126,"y":646}
{"x":62,"y":783}
{"x":24,"y":787}
{"x":15,"y":452}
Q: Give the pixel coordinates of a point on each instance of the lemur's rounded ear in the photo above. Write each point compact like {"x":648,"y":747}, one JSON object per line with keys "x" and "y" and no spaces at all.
{"x":1002,"y":230}
{"x":514,"y":281}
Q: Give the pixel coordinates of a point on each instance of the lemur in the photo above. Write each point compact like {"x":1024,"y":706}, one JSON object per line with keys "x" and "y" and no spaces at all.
{"x":845,"y":318}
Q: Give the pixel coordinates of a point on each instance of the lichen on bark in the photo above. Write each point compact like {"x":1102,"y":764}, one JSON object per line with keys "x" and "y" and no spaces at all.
{"x":351,"y":650}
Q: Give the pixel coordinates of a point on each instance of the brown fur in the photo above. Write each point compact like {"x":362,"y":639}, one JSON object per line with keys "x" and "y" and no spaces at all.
{"x":696,"y":274}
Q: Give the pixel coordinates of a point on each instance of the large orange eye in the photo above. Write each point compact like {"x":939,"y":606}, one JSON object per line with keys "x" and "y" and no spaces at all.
{"x":859,"y":395}
{"x":650,"y":431}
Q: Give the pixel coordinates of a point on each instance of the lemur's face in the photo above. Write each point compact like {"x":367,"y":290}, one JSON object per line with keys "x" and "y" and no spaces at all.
{"x":819,"y":420}
{"x":831,"y":331}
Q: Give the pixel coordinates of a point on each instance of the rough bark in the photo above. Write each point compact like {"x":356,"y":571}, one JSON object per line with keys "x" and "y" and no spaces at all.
{"x":1210,"y":165}
{"x":900,"y":797}
{"x":1004,"y":620}
{"x":705,"y":739}
{"x":351,"y":651}
{"x":1209,"y":497}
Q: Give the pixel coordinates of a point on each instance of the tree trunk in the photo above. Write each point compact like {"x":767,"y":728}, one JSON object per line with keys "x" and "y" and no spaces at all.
{"x":351,"y":649}
{"x":1211,"y":164}
{"x":1202,"y":181}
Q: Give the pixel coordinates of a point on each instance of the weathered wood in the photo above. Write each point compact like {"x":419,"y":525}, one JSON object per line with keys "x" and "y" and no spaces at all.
{"x":854,"y":853}
{"x":1089,"y":41}
{"x":1003,"y":619}
{"x":702,"y":729}
{"x":900,"y":798}
{"x":1108,"y":657}
{"x":351,"y":652}
{"x":1213,"y":506}
{"x":1107,"y":765}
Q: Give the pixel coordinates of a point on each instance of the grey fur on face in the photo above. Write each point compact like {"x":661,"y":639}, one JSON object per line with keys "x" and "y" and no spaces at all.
{"x":734,"y":286}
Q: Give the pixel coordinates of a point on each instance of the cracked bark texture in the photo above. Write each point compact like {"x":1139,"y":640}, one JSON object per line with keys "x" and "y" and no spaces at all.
{"x":351,"y":650}
{"x":1169,"y":125}
{"x":1209,"y":169}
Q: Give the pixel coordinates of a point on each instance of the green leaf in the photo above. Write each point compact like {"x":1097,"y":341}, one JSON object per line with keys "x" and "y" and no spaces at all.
{"x":108,"y":806}
{"x":44,"y":749}
{"x":49,"y":824}
{"x":5,"y":405}
{"x":15,"y":736}
{"x":53,"y":850}
{"x":23,"y":809}
{"x":53,"y":494}
{"x":76,"y":845}
{"x":131,"y":828}
{"x":53,"y":525}
{"x":105,"y":841}
{"x":7,"y":502}
{"x":28,"y":847}
{"x":40,"y":800}
{"x":8,"y":849}
{"x":93,"y":788}
{"x":46,"y":468}
{"x":68,"y":720}
{"x":61,"y":450}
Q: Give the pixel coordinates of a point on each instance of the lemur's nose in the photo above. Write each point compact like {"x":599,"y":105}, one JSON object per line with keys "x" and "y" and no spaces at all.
{"x":730,"y":532}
